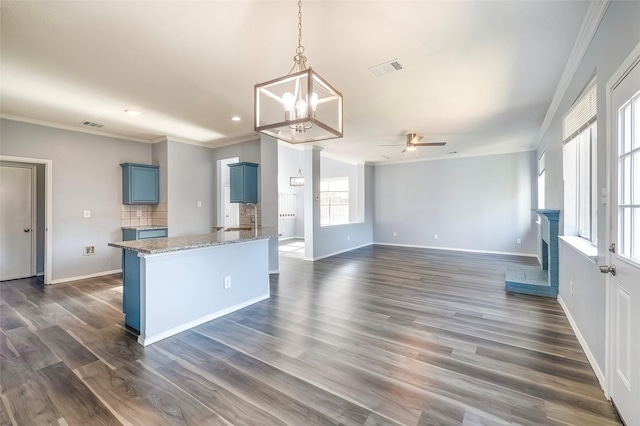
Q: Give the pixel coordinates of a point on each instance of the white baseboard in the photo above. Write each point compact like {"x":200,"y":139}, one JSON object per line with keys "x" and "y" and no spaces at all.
{"x":457,"y":249}
{"x":583,"y":343}
{"x":83,"y":277}
{"x":337,"y":252}
{"x":148,"y":340}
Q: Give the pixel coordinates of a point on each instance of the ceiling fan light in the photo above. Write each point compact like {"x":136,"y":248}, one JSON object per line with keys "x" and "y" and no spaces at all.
{"x":411,"y":148}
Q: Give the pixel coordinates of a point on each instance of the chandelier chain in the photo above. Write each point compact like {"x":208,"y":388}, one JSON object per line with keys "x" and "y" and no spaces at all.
{"x":300,"y":49}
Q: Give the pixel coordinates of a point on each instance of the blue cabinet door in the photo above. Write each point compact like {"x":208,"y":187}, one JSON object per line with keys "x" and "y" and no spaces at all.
{"x":244,"y":182}
{"x":236,"y":176}
{"x":140,"y":184}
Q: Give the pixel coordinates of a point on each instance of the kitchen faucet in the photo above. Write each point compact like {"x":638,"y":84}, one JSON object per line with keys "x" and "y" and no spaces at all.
{"x":255,"y":215}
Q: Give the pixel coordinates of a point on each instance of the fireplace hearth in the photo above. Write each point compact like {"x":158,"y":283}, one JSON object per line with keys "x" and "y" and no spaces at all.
{"x":542,"y":280}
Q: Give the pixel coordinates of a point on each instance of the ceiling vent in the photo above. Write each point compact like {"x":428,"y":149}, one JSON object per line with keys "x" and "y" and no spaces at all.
{"x":386,"y":68}
{"x":91,"y":124}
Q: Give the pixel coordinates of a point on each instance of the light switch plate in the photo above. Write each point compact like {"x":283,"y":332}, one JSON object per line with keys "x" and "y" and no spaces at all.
{"x":87,"y":213}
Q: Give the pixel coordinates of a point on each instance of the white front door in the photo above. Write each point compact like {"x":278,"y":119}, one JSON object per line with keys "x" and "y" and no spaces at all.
{"x":624,"y":218}
{"x":16,"y":229}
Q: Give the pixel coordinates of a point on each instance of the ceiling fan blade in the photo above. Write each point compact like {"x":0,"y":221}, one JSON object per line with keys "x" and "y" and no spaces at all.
{"x":393,"y":145}
{"x":430,"y":144}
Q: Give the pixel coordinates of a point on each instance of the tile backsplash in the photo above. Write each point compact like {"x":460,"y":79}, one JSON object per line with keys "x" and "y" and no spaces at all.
{"x":247,"y":215}
{"x":144,"y":215}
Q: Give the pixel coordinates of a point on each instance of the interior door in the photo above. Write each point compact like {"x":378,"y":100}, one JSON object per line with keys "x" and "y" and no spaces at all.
{"x":624,"y":266}
{"x":231,"y":210}
{"x":16,"y":219}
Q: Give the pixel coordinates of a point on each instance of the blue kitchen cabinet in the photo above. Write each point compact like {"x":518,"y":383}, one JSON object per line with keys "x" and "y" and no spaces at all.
{"x":244,"y":182}
{"x":131,"y":273}
{"x":140,"y":183}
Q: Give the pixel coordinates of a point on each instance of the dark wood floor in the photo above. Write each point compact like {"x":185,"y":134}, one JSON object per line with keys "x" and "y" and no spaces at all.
{"x":376,"y":336}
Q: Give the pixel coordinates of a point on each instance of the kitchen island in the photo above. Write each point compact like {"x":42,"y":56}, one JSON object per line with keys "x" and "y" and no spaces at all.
{"x":176,"y":283}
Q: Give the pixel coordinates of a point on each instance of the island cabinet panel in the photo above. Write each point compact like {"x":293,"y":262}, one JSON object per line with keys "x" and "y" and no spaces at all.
{"x":131,"y":289}
{"x":131,"y":273}
{"x":244,"y":182}
{"x":140,"y":184}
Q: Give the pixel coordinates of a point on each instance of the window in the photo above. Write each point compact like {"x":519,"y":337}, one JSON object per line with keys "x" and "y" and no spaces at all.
{"x":541,"y":180}
{"x":334,"y":201}
{"x":579,"y":166}
{"x":629,"y":179}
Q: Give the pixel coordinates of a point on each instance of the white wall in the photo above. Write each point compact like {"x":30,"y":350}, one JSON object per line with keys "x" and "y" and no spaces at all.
{"x":477,"y":203}
{"x":617,"y":35}
{"x":330,"y":168}
{"x":86,"y":176}
{"x":289,"y":160}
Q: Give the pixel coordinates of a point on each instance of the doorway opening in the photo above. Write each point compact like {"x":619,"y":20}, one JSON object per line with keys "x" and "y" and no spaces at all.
{"x":40,"y":225}
{"x":228,"y":213}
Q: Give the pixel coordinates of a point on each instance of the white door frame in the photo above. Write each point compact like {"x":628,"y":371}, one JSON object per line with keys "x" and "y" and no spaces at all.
{"x":48,"y":203}
{"x":626,"y":66}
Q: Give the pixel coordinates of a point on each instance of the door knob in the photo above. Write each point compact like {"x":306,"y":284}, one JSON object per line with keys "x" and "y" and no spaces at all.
{"x":27,"y":230}
{"x":612,"y":248}
{"x":606,"y":269}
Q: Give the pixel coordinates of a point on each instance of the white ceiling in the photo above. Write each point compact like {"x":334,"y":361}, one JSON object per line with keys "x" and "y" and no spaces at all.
{"x":477,"y":74}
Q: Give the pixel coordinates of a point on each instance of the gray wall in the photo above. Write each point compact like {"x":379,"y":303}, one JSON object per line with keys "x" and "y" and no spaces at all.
{"x":86,"y":176}
{"x":246,"y":151}
{"x":191,"y":178}
{"x":617,"y":35}
{"x":478,"y":203}
{"x":324,"y":241}
{"x":159,"y":157}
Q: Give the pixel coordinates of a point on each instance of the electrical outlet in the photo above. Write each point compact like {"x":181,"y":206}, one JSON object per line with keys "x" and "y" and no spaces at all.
{"x":435,"y":236}
{"x":518,"y":241}
{"x":87,"y":213}
{"x":227,"y":282}
{"x":348,"y":237}
{"x":199,"y":204}
{"x":89,"y":250}
{"x":139,"y":213}
{"x":395,"y":234}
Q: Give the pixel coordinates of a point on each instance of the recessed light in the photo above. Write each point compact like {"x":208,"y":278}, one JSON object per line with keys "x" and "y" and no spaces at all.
{"x":235,"y":118}
{"x":132,"y":112}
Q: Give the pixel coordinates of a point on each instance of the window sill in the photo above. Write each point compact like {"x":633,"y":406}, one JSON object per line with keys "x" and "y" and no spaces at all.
{"x":342,"y":224}
{"x":582,"y":246}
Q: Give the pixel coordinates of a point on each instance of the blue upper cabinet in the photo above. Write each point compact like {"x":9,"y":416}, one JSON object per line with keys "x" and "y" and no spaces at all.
{"x":140,"y":184}
{"x":244,"y":182}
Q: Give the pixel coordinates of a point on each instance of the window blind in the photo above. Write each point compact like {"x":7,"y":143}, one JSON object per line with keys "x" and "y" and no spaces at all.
{"x":582,"y":113}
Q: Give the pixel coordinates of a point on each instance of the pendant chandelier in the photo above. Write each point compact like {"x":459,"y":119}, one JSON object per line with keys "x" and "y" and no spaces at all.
{"x":297,"y":180}
{"x":299,"y":107}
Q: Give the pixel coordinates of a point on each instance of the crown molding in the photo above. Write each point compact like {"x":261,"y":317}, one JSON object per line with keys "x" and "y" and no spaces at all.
{"x":72,"y":128}
{"x":593,"y":17}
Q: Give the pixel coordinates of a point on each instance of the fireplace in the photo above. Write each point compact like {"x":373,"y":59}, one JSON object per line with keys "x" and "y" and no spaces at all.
{"x":542,"y":280}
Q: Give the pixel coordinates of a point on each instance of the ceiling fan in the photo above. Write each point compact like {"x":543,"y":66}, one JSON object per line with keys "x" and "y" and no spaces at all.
{"x":413,"y":142}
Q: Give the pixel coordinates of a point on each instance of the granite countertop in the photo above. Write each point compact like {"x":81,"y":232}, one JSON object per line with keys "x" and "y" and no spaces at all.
{"x":171,"y":244}
{"x":145,"y":227}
